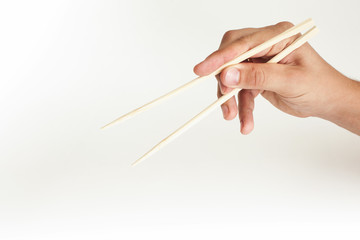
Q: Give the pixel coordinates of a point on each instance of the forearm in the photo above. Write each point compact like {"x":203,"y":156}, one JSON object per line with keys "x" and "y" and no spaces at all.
{"x":346,"y":110}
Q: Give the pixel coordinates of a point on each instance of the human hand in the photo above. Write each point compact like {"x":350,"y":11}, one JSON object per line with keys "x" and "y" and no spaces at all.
{"x":303,"y":84}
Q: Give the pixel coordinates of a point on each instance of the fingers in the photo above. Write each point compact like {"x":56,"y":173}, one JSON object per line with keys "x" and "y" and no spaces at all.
{"x":246,"y":105}
{"x":233,"y":35}
{"x":278,"y":78}
{"x":229,"y":108}
{"x":220,"y":57}
{"x":224,"y":53}
{"x":239,"y":41}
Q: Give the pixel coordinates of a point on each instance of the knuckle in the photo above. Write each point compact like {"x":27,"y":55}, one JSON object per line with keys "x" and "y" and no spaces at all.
{"x":258,"y":77}
{"x":285,"y":24}
{"x":243,"y":43}
{"x":246,"y":40}
{"x":229,"y":36}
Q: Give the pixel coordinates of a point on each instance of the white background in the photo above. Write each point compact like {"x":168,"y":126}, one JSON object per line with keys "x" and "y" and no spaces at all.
{"x":69,"y":67}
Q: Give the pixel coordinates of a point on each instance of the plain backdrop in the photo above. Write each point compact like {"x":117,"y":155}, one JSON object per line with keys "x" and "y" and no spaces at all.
{"x":69,"y":67}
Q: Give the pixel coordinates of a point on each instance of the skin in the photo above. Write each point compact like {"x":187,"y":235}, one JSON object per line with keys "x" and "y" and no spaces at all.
{"x":303,"y":84}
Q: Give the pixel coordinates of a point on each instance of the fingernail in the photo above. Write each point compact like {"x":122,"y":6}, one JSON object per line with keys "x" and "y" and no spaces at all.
{"x":225,"y":110}
{"x":232,"y":76}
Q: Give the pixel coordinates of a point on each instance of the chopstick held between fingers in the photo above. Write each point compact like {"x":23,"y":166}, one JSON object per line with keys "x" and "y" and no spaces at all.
{"x":286,"y":34}
{"x":296,"y":44}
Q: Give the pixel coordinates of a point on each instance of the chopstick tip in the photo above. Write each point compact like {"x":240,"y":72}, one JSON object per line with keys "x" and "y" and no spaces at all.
{"x":107,"y":125}
{"x":136,"y":162}
{"x":146,"y":155}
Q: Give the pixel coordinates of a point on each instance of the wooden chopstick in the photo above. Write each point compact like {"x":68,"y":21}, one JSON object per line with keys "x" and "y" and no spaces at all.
{"x":296,"y":44}
{"x":286,"y":34}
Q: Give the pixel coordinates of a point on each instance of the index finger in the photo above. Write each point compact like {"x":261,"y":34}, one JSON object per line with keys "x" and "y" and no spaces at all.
{"x":242,"y":45}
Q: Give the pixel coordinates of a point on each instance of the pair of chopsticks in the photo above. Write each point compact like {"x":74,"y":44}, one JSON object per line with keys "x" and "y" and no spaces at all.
{"x":286,"y":34}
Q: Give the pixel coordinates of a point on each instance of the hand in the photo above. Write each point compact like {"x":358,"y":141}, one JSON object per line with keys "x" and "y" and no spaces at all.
{"x":302,"y":84}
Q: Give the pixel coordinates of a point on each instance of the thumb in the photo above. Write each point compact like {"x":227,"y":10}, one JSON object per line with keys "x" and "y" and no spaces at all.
{"x":273,"y":77}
